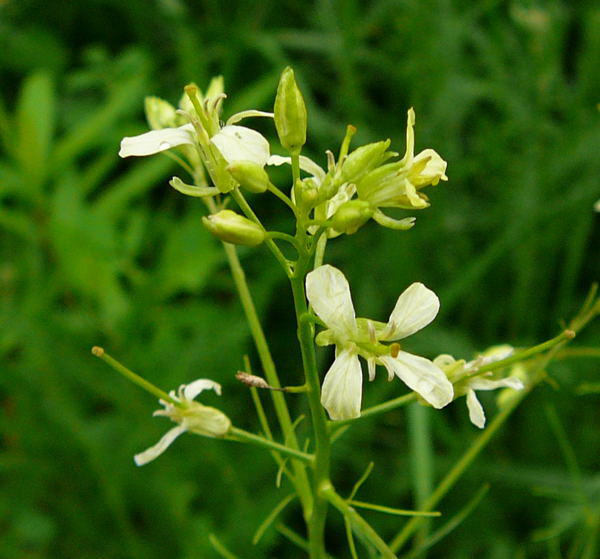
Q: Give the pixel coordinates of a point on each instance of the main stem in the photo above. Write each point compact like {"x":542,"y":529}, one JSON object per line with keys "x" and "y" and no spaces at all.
{"x":316,"y":522}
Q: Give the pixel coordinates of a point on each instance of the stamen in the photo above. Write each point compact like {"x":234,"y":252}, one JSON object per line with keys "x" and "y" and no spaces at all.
{"x":395,"y":349}
{"x":372,"y":331}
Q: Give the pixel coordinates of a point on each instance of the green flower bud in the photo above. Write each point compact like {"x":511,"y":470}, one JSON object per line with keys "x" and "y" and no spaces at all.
{"x":234,"y":228}
{"x":290,"y":112}
{"x":250,"y":175}
{"x":159,"y":113}
{"x":351,"y":215}
{"x":364,"y":159}
{"x":306,"y":194}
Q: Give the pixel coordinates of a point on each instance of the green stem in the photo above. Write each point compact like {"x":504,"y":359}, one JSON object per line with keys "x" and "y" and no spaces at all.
{"x":133,"y":377}
{"x":244,"y":436}
{"x":316,"y":524}
{"x":525,"y":354}
{"x":262,"y":347}
{"x":245,"y":207}
{"x":421,"y":460}
{"x":358,"y":522}
{"x":283,"y":197}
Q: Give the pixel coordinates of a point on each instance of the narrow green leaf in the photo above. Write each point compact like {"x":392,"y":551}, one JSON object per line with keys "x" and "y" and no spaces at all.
{"x":271,"y":517}
{"x":361,"y":480}
{"x":391,"y":510}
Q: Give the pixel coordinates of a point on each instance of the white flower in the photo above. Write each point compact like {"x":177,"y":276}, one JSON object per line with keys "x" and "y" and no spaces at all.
{"x":467,"y":385}
{"x":156,"y":141}
{"x":329,"y":294}
{"x":190,"y":415}
{"x":238,"y":143}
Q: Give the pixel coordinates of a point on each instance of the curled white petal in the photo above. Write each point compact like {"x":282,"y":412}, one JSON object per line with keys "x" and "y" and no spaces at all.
{"x":238,"y":143}
{"x":372,"y":368}
{"x":422,"y":376}
{"x":194,"y":388}
{"x":476,"y":413}
{"x":306,"y":164}
{"x":328,"y":292}
{"x":435,"y":168}
{"x":162,"y":445}
{"x":416,"y":307}
{"x":342,"y":387}
{"x":156,"y":141}
{"x":489,"y":384}
{"x":245,"y":114}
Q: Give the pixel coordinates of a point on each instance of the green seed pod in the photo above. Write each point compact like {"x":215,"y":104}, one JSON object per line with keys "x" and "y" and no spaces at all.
{"x":234,"y":228}
{"x":290,"y":112}
{"x":250,"y":175}
{"x":350,"y":216}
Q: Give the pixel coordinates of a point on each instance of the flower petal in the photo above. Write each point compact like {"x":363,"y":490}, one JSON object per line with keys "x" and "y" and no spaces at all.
{"x":328,"y":292}
{"x":489,"y":384}
{"x":306,"y":164}
{"x":162,"y":445}
{"x":422,"y":376}
{"x":410,"y":137}
{"x":194,"y":388}
{"x":156,"y":141}
{"x":476,"y":413}
{"x":416,"y":307}
{"x":434,"y":170}
{"x":238,"y":143}
{"x":342,"y":387}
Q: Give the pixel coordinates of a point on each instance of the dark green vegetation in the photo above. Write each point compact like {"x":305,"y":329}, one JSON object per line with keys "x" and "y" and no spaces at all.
{"x":95,"y":250}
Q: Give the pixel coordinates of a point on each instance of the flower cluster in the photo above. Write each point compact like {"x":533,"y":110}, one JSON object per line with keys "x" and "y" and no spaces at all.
{"x":339,"y":199}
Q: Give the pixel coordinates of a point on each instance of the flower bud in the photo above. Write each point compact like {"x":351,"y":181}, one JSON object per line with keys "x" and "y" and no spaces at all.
{"x":351,"y":215}
{"x":234,"y":228}
{"x":306,"y":193}
{"x":364,"y":159}
{"x":159,"y":113}
{"x":250,"y":175}
{"x":290,"y":112}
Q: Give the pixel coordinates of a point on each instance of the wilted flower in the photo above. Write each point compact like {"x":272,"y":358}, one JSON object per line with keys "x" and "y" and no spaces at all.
{"x":397,"y":184}
{"x":190,"y":415}
{"x":329,"y":294}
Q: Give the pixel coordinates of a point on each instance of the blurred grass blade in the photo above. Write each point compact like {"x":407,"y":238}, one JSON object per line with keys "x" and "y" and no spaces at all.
{"x":451,"y":525}
{"x":87,"y":133}
{"x":35,"y":122}
{"x":220,"y":548}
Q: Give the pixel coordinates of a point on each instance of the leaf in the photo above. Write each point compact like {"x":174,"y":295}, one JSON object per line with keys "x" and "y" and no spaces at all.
{"x":271,"y":517}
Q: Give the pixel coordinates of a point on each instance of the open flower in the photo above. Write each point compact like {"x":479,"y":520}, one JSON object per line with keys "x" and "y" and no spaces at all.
{"x":329,"y":294}
{"x":464,"y":384}
{"x":190,"y":415}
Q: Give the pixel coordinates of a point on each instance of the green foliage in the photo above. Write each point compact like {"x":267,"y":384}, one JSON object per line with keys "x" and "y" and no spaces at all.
{"x":95,"y":250}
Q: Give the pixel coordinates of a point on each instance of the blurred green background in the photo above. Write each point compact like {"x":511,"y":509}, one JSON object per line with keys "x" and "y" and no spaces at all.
{"x":97,"y":250}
